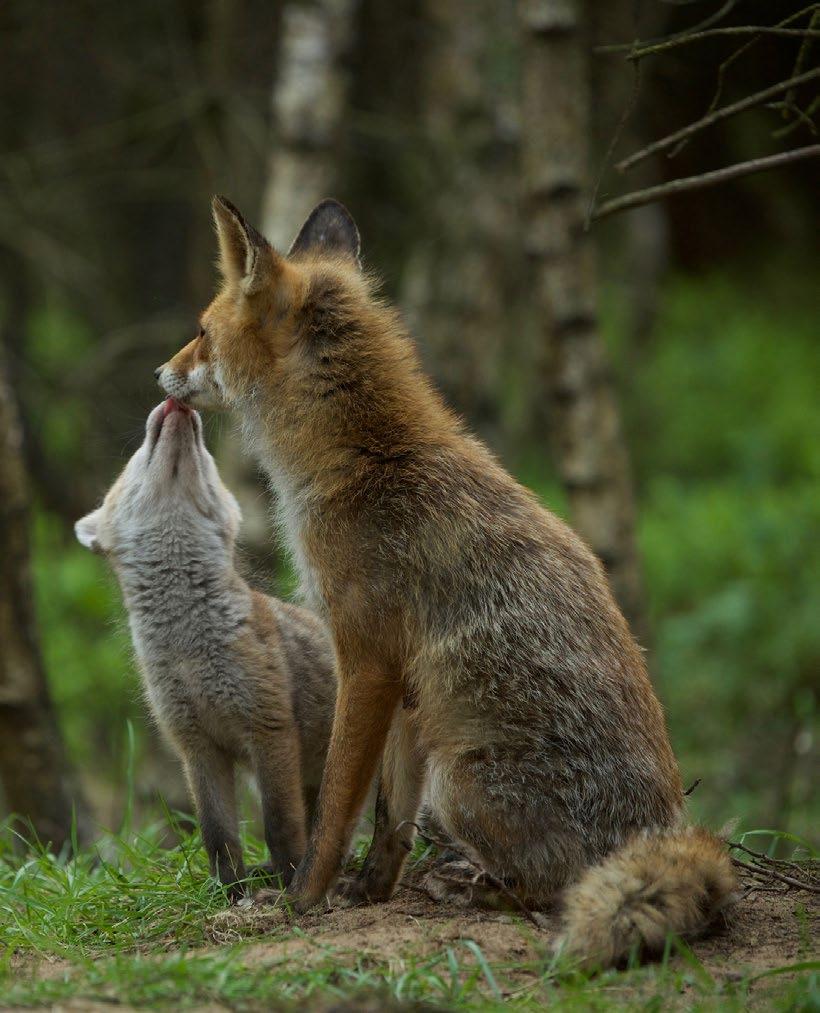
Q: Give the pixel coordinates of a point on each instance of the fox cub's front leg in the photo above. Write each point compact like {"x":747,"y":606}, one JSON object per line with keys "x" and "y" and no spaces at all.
{"x":277,"y":764}
{"x":210,"y":776}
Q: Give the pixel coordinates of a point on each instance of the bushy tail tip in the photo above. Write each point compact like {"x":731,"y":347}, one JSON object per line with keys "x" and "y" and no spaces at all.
{"x":658,"y":883}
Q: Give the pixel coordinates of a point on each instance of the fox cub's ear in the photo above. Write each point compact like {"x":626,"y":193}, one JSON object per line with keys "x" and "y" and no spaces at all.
{"x":329,"y":228}
{"x":245,"y":256}
{"x":86,"y":529}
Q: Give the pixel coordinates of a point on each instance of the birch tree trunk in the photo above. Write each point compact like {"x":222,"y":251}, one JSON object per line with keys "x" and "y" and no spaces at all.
{"x":308,"y":98}
{"x":639,"y":241}
{"x":459,"y":284}
{"x":590,"y":450}
{"x":34,"y":770}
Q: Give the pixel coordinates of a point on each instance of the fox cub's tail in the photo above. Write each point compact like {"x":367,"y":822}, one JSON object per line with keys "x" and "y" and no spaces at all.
{"x":670,"y":881}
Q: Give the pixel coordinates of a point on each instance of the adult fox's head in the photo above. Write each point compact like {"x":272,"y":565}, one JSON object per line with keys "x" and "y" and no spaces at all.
{"x":259,"y":324}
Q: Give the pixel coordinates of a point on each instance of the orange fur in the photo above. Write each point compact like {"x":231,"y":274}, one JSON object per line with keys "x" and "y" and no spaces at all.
{"x":480,"y":653}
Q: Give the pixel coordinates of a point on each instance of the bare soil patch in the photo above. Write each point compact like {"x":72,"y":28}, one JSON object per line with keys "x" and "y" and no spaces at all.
{"x":766,"y":929}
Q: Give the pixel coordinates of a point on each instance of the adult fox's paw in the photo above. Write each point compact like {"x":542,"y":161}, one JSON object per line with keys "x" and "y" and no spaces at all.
{"x":353,"y":891}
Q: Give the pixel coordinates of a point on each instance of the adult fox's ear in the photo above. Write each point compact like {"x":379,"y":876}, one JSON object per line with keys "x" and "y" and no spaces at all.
{"x":245,"y":256}
{"x":87,"y":531}
{"x":330,"y":229}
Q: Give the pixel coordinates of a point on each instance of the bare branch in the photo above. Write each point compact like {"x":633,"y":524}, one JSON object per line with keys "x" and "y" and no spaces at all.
{"x":733,"y":57}
{"x":749,"y":102}
{"x":811,"y":9}
{"x":613,"y":144}
{"x":803,"y":53}
{"x":638,"y":53}
{"x":768,"y":873}
{"x":802,"y":118}
{"x":640,"y":197}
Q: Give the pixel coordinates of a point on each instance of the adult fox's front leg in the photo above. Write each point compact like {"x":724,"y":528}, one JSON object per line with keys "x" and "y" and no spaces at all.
{"x":365,"y":704}
{"x":400,"y":789}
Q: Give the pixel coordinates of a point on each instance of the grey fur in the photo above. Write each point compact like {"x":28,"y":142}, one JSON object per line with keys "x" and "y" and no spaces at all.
{"x":231,"y":675}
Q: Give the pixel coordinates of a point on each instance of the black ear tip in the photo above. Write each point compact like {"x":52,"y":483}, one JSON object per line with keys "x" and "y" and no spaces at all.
{"x":331,"y":202}
{"x":330,"y":228}
{"x":331,"y":205}
{"x":221,"y":203}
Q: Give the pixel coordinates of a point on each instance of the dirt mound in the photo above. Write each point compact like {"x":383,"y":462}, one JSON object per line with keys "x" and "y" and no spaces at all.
{"x":765,"y":929}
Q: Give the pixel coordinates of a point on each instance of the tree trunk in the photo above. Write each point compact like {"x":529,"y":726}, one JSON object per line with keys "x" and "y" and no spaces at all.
{"x":34,"y":769}
{"x":638,"y":242}
{"x":591,"y":454}
{"x":461,"y":283}
{"x":309,"y":98}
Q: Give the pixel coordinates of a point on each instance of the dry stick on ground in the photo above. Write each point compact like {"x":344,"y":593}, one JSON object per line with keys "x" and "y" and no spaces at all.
{"x":660,"y":47}
{"x":764,"y":868}
{"x":769,"y":874}
{"x":807,"y":867}
{"x":640,"y":197}
{"x":715,"y":117}
{"x":489,"y":878}
{"x":767,"y":859}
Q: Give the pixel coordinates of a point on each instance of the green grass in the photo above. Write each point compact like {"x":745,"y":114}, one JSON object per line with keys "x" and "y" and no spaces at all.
{"x":125,"y":922}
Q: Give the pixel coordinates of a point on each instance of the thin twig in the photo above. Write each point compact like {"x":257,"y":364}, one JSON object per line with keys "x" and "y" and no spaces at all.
{"x":616,"y":136}
{"x":673,"y":43}
{"x":803,"y":118}
{"x":638,"y":198}
{"x":761,"y":857}
{"x":684,"y":33}
{"x":803,"y":52}
{"x":715,"y":117}
{"x":810,"y":9}
{"x":769,"y":873}
{"x":800,"y":117}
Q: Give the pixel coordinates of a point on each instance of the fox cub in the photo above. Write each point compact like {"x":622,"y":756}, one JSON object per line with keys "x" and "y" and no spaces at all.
{"x":231,"y":675}
{"x":482,"y":659}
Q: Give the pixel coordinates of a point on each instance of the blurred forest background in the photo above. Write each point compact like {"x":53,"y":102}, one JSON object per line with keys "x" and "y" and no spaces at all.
{"x":652,"y":374}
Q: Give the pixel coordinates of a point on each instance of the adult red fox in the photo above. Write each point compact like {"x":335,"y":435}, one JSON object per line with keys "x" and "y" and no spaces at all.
{"x":480,"y":653}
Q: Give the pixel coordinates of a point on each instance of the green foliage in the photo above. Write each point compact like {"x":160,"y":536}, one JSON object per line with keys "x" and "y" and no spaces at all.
{"x":723,"y":415}
{"x":722,"y":419}
{"x":726,"y":386}
{"x":56,"y":342}
{"x":87,"y":649}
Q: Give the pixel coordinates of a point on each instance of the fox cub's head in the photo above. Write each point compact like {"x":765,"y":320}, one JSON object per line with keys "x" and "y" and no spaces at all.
{"x":258,"y":327}
{"x":168,"y":496}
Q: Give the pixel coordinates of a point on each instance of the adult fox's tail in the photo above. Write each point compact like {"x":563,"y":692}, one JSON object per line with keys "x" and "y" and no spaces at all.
{"x":670,"y":881}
